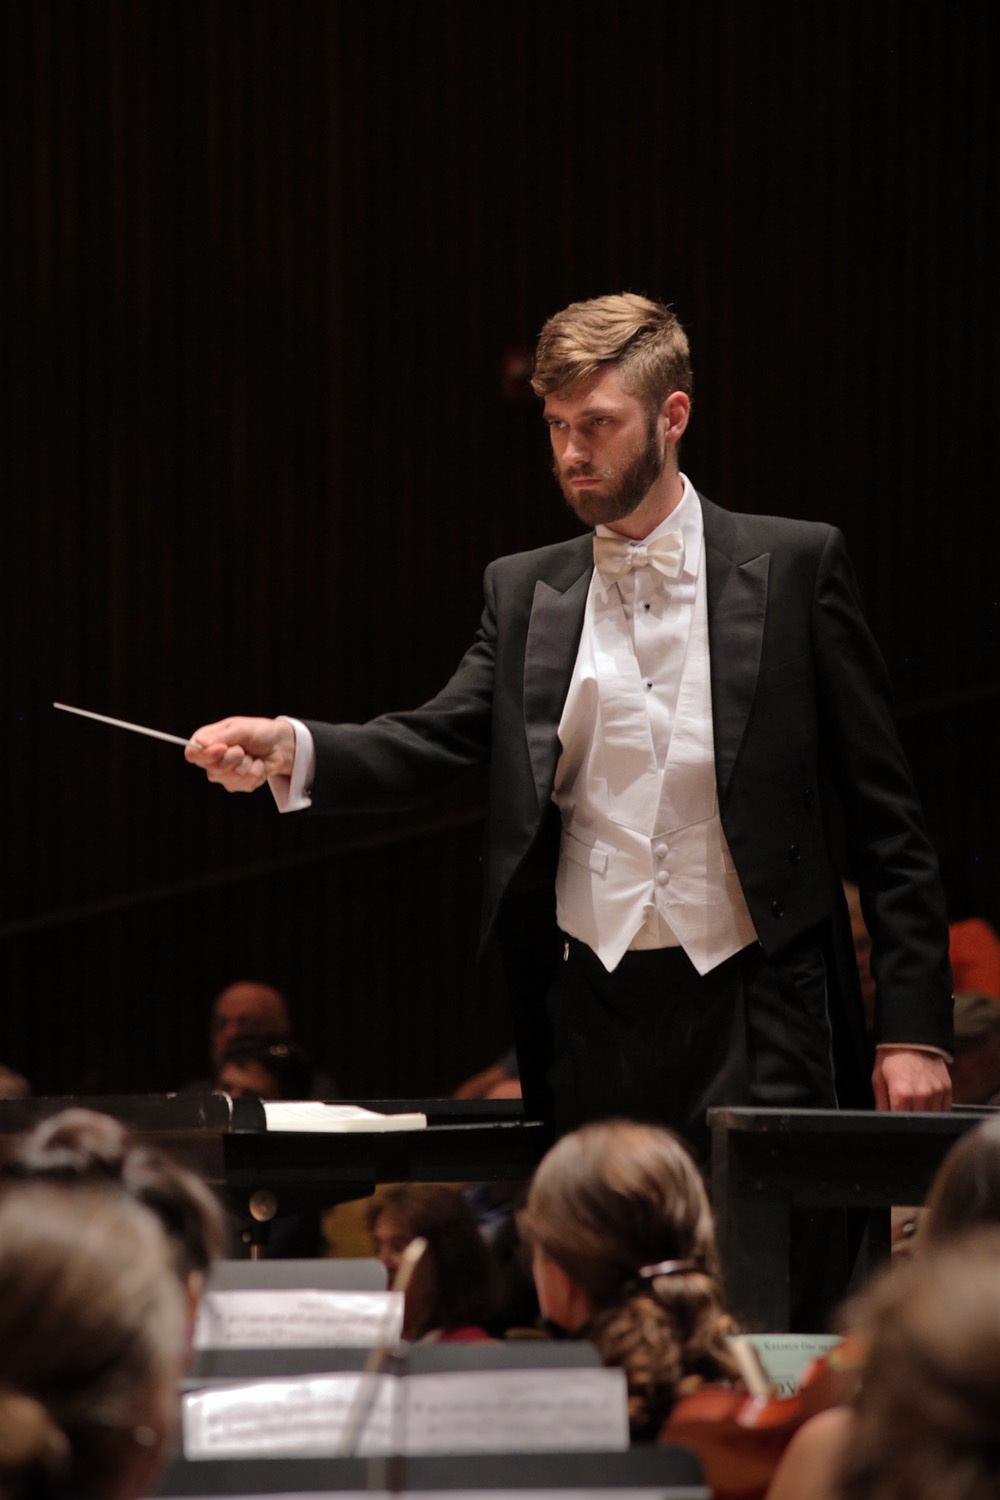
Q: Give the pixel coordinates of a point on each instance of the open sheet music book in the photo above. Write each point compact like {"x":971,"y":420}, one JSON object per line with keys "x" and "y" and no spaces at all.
{"x":314,"y":1115}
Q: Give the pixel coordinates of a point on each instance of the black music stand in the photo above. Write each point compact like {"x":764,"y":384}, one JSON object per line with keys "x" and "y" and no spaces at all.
{"x":766,"y":1161}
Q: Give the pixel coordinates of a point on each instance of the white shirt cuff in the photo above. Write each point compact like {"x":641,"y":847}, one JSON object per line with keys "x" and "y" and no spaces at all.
{"x":294,"y":793}
{"x":915,"y":1047}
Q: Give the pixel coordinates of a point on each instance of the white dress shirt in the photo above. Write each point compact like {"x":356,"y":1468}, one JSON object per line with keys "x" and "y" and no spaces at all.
{"x":644,"y":861}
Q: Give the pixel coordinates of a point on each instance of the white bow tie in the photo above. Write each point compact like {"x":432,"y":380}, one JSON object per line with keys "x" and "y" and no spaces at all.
{"x":613,"y":558}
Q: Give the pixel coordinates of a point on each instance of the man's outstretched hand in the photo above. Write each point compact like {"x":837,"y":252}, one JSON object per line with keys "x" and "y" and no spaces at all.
{"x":240,"y":754}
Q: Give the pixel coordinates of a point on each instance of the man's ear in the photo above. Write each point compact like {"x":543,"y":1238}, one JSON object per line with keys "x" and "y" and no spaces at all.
{"x":675,"y":410}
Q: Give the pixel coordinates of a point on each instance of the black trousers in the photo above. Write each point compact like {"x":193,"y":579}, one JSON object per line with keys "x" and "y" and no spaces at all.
{"x":659,"y":1042}
{"x":655,"y":1040}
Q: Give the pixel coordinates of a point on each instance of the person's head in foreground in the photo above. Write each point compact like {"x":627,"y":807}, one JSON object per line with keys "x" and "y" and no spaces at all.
{"x":624,"y":1252}
{"x":92,"y":1341}
{"x":928,"y":1416}
{"x":965,"y":1193}
{"x":82,"y":1148}
{"x":451,"y":1292}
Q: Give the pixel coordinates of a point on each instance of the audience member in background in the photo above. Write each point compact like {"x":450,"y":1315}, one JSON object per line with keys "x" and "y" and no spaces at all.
{"x":624,"y":1254}
{"x":81,"y":1148}
{"x":451,"y":1293}
{"x":975,"y":1072}
{"x":250,"y":1008}
{"x":92,"y":1342}
{"x":247,"y":1008}
{"x":924,"y":1425}
{"x":263,"y":1067}
{"x":973,"y":952}
{"x":499,"y":1081}
{"x":12,"y":1085}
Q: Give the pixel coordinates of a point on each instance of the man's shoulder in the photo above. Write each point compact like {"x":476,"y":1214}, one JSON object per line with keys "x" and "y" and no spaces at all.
{"x":545,"y":562}
{"x":747,"y":531}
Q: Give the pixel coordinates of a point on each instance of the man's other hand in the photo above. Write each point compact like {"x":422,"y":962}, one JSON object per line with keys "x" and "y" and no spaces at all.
{"x":240,"y":754}
{"x":905,"y":1079}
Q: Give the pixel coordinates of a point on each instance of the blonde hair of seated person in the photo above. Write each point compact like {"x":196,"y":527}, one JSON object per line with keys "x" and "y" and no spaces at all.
{"x":92,"y":1340}
{"x":608,"y":1204}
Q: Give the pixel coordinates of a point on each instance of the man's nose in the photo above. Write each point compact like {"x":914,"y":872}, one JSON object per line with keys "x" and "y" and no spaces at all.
{"x":576,"y":450}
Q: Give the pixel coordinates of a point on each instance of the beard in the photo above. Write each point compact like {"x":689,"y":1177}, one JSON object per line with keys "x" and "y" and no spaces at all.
{"x":623,"y":489}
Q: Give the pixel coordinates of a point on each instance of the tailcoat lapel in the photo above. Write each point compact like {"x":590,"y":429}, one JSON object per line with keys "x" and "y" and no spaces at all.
{"x":553,"y":638}
{"x":737,"y":603}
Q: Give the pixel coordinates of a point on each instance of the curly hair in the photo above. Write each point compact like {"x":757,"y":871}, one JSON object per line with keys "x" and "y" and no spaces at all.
{"x":622,"y":1209}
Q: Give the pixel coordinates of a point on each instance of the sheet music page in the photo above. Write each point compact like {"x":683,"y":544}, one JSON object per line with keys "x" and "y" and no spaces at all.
{"x":297,"y":1318}
{"x":494,"y":1411}
{"x":314,"y":1115}
{"x":298,"y":1416}
{"x":516,"y":1411}
{"x":787,"y":1356}
{"x":656,"y":1493}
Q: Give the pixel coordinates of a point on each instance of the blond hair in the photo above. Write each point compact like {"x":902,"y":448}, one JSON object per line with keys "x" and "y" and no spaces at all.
{"x":609,"y":1203}
{"x":92,"y":1319}
{"x":643,"y":339}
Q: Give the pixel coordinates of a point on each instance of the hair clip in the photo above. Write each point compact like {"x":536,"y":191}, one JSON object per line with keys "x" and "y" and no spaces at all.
{"x":668,"y":1268}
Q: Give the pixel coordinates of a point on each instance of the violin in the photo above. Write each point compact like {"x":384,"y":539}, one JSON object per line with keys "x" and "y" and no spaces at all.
{"x":740,"y":1434}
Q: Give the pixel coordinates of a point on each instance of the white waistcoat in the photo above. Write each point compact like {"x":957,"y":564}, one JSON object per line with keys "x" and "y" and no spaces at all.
{"x":643,"y":847}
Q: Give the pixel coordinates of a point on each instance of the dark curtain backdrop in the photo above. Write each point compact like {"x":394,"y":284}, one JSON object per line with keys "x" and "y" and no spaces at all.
{"x":269,"y":267}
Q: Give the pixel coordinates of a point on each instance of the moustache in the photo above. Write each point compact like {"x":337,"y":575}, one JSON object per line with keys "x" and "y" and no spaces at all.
{"x":587,"y":471}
